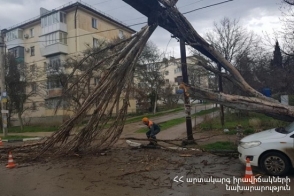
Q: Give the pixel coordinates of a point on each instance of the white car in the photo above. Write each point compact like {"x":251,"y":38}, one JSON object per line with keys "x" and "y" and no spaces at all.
{"x":271,"y":150}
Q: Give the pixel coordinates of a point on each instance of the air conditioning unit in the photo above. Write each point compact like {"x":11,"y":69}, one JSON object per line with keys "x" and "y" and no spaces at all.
{"x":26,"y":36}
{"x":27,"y":49}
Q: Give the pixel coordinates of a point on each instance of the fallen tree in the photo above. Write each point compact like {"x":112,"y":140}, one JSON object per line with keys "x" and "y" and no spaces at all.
{"x":99,"y":133}
{"x":116,"y":83}
{"x":166,"y":15}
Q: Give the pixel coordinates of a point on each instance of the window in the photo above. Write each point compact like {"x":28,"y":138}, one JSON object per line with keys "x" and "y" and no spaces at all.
{"x":54,"y":64}
{"x":34,"y":87}
{"x":121,"y":34}
{"x":62,"y":37}
{"x":177,"y":70}
{"x":45,"y":66}
{"x":62,"y":17}
{"x":53,"y":83}
{"x":94,"y":23}
{"x":179,"y":79}
{"x":33,"y":68}
{"x":14,"y":52}
{"x":52,"y":103}
{"x":34,"y":107}
{"x":96,"y":80}
{"x":166,"y":81}
{"x":166,"y":73}
{"x":14,"y":34}
{"x":32,"y":33}
{"x":53,"y":18}
{"x":33,"y":51}
{"x":49,"y":18}
{"x":56,"y":37}
{"x":95,"y":43}
{"x":51,"y":38}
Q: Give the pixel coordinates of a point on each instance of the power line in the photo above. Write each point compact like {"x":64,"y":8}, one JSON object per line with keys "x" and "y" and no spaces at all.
{"x":116,"y":8}
{"x":102,"y":2}
{"x":191,"y":3}
{"x":208,"y":6}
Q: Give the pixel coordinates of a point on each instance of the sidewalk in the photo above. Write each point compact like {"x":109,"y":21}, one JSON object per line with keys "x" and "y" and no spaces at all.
{"x":129,"y":129}
{"x":175,"y":132}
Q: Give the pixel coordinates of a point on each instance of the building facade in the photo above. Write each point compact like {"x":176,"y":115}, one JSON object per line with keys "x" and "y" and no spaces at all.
{"x":197,"y":75}
{"x":46,"y":41}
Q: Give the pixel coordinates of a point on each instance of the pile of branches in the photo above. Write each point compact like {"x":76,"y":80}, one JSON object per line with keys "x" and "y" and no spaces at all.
{"x":116,"y":83}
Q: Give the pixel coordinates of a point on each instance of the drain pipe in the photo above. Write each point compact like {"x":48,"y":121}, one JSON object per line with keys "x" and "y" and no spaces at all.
{"x":76,"y":32}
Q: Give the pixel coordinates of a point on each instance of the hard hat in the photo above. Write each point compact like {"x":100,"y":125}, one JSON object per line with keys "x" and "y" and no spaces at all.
{"x":145,"y":119}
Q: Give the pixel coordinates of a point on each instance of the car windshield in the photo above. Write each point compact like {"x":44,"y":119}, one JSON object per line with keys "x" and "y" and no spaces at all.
{"x":290,"y":128}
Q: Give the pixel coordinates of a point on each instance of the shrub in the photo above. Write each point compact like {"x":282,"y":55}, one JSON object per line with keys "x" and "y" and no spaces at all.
{"x":255,"y":122}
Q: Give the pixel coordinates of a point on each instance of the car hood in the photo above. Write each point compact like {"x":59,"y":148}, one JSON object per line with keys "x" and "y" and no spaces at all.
{"x":268,"y":134}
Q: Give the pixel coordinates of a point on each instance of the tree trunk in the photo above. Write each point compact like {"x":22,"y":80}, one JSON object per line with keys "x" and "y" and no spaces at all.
{"x":20,"y":120}
{"x":155,"y":103}
{"x":276,"y":110}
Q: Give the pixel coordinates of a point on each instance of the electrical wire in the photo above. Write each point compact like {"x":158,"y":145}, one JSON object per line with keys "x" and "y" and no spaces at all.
{"x":207,"y":6}
{"x":101,"y":2}
{"x":191,"y":3}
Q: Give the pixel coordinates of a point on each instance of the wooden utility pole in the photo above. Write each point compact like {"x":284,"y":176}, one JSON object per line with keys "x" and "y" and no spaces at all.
{"x":2,"y":85}
{"x":190,"y":137}
{"x":220,"y":86}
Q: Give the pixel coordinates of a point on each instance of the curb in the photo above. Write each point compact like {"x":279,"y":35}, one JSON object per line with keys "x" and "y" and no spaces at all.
{"x":23,"y":140}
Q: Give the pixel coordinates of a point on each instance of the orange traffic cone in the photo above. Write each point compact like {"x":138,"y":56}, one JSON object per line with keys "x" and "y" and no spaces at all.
{"x":1,"y":143}
{"x":11,"y":163}
{"x":249,"y":177}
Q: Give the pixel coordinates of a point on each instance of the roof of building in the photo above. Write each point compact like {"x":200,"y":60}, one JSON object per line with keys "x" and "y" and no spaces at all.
{"x":68,"y":6}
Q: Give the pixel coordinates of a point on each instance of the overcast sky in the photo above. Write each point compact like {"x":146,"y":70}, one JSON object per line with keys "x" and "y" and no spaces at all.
{"x":257,"y":15}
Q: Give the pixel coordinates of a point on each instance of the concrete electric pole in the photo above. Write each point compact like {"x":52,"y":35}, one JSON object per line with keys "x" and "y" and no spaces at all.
{"x":3,"y":87}
{"x":190,"y":138}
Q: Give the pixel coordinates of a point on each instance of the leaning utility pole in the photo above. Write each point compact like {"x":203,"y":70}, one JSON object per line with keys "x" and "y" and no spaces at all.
{"x":220,"y":86}
{"x":190,"y":138}
{"x":2,"y":85}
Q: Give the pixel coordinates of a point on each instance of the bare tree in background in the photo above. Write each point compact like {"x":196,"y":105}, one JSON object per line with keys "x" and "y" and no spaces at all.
{"x":231,"y":40}
{"x":22,"y":81}
{"x":168,"y":97}
{"x":149,"y":73}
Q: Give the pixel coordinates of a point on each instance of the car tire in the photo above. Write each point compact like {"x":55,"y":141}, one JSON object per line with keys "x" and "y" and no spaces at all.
{"x":275,"y":164}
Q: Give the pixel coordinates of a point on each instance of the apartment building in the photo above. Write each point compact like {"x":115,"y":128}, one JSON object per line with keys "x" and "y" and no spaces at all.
{"x":47,"y":40}
{"x":173,"y":73}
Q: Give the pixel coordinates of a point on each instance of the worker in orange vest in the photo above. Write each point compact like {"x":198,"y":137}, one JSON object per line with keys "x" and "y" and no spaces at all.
{"x":153,"y":130}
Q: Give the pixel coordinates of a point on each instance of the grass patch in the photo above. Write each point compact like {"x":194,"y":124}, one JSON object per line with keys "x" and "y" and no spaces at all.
{"x":233,"y":120}
{"x":220,"y":146}
{"x":167,"y":124}
{"x":31,"y":129}
{"x":204,"y":112}
{"x":16,"y":137}
{"x":139,"y":118}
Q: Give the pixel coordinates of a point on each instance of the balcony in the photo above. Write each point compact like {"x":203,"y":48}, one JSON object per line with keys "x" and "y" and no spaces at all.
{"x":54,"y":71}
{"x":55,"y":92}
{"x":14,"y":38}
{"x":54,"y":27}
{"x":56,"y":48}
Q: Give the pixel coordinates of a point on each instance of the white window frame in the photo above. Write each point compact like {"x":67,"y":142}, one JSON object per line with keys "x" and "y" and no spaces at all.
{"x":95,"y":42}
{"x":32,"y":49}
{"x":121,"y":34}
{"x":34,"y":87}
{"x":94,"y":23}
{"x":32,"y":32}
